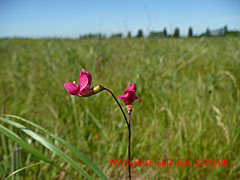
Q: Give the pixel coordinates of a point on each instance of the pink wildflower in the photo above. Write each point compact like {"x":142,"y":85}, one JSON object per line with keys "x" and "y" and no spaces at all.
{"x":83,"y":86}
{"x":129,"y":95}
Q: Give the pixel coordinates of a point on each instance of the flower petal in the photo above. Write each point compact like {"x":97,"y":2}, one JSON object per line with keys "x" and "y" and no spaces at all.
{"x":126,"y":97}
{"x":129,"y":95}
{"x":89,"y":79}
{"x":123,"y":95}
{"x":133,"y":87}
{"x":137,"y":98}
{"x":71,"y":88}
{"x":83,"y":80}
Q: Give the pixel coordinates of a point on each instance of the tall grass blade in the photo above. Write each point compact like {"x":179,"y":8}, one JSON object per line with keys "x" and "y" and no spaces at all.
{"x":13,"y":136}
{"x":72,"y":148}
{"x":21,"y":142}
{"x":49,"y":145}
{"x":23,"y":168}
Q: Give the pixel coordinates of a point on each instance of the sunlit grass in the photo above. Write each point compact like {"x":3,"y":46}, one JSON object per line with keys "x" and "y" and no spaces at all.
{"x":190,"y":90}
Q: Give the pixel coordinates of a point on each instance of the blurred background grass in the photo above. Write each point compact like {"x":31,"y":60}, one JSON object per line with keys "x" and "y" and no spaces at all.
{"x":189,"y":86}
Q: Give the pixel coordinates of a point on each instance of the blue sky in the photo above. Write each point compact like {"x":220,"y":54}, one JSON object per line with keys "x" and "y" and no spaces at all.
{"x":70,"y":18}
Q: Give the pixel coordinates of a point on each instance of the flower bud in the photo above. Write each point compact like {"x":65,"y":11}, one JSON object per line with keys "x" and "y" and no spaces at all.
{"x":97,"y":89}
{"x":91,"y":91}
{"x":129,"y":108}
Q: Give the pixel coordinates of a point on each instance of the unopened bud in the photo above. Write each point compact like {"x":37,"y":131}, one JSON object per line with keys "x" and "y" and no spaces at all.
{"x":97,"y":89}
{"x":91,"y":91}
{"x":129,"y":108}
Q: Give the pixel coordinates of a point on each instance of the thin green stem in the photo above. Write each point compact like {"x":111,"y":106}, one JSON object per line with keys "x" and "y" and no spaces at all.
{"x":124,"y":115}
{"x":129,"y":144}
{"x":129,"y":129}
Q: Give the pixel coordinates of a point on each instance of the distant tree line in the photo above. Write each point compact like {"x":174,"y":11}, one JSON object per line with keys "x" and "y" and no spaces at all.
{"x":217,"y":32}
{"x":163,"y":34}
{"x":92,"y":35}
{"x":129,"y":35}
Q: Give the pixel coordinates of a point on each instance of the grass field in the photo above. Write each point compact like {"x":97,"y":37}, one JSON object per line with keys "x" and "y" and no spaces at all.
{"x":190,"y":109}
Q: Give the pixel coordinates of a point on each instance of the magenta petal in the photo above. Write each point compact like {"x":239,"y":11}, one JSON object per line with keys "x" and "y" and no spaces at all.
{"x":125,"y":95}
{"x":134,"y":87}
{"x":138,"y":98}
{"x":121,"y":96}
{"x":71,"y":88}
{"x":89,"y":79}
{"x":83,"y":80}
{"x":129,"y":95}
{"x":131,"y":88}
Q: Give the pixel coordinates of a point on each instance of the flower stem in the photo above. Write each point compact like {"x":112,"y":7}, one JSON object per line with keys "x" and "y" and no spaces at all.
{"x":129,"y":129}
{"x":129,"y":144}
{"x":124,"y":115}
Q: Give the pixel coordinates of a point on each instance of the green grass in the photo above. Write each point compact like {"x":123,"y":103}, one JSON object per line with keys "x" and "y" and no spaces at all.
{"x":190,"y":110}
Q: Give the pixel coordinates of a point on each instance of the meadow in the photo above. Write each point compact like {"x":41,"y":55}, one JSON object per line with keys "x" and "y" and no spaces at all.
{"x":190,"y":109}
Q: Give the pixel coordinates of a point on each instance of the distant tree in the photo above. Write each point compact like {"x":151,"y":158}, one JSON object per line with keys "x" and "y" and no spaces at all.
{"x":164,"y":32}
{"x":208,"y":33}
{"x":234,"y":33}
{"x":140,"y":33}
{"x":154,"y":34}
{"x":190,"y":32}
{"x":129,"y":35}
{"x":176,"y":33}
{"x":225,"y":30}
{"x":93,"y":35}
{"x":117,"y":35}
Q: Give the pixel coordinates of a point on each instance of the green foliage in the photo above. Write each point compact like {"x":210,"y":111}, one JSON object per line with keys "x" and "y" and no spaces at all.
{"x":225,"y":30}
{"x":139,"y":33}
{"x":208,"y":33}
{"x":117,"y":35}
{"x":176,"y":33}
{"x":129,"y":35}
{"x":48,"y":145}
{"x":165,"y":32}
{"x":156,"y":34}
{"x":190,"y":90}
{"x":190,"y":32}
